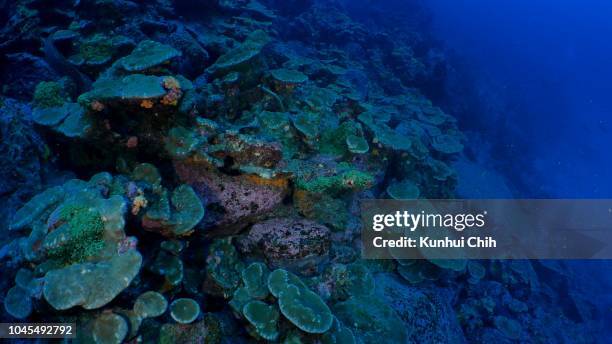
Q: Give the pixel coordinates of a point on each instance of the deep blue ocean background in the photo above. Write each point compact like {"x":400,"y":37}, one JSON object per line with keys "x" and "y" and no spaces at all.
{"x":548,"y":68}
{"x":542,"y":71}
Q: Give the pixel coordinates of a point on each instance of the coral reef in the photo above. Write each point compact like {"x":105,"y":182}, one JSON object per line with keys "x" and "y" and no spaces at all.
{"x":238,"y":138}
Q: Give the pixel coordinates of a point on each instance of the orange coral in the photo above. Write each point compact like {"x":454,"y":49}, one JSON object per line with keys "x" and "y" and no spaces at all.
{"x":170,"y":83}
{"x":279,"y":182}
{"x":174,"y":91}
{"x":132,"y":142}
{"x":171,"y":98}
{"x":146,"y":103}
{"x":97,"y":106}
{"x":304,"y":201}
{"x":138,"y":203}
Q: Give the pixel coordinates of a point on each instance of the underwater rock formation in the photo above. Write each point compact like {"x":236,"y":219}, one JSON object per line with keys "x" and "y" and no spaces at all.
{"x":299,"y":245}
{"x":238,"y":137}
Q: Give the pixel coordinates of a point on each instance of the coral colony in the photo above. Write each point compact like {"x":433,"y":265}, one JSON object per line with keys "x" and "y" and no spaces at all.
{"x":189,"y":172}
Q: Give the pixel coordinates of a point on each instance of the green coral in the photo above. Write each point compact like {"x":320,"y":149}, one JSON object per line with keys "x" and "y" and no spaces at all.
{"x":147,"y":173}
{"x":79,"y":284}
{"x":48,"y":94}
{"x":277,"y":126}
{"x":224,"y":266}
{"x":95,"y":50}
{"x":176,"y":215}
{"x":171,"y":215}
{"x":255,"y":277}
{"x":236,"y":58}
{"x":371,"y":320}
{"x":23,"y":278}
{"x":341,"y":139}
{"x":263,"y":318}
{"x":338,"y":334}
{"x":357,"y":144}
{"x":73,"y":222}
{"x":81,"y":236}
{"x":184,"y":310}
{"x":78,"y":123}
{"x":239,"y":299}
{"x":450,"y":264}
{"x":301,"y":306}
{"x":384,"y":135}
{"x":319,"y":99}
{"x":181,"y":142}
{"x":188,"y":210}
{"x":135,"y":87}
{"x":307,"y":124}
{"x":288,"y":76}
{"x":280,"y":279}
{"x":36,"y":206}
{"x":68,"y":119}
{"x":51,"y":116}
{"x":150,"y":304}
{"x":109,"y":328}
{"x":148,"y":54}
{"x":18,"y":302}
{"x":439,"y":170}
{"x":169,"y":266}
{"x":305,"y":309}
{"x":406,"y":189}
{"x":344,"y":178}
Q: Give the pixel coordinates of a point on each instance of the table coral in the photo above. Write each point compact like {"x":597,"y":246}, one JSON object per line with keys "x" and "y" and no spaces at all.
{"x":150,"y":304}
{"x":78,"y":284}
{"x":148,"y":54}
{"x":264,"y":319}
{"x":371,"y":319}
{"x":298,"y":304}
{"x":109,"y":328}
{"x":240,"y":57}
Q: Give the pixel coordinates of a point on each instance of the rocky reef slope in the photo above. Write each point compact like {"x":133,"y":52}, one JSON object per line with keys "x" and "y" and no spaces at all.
{"x":189,"y":172}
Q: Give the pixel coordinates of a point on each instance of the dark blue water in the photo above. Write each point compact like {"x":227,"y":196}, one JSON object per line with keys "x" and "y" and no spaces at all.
{"x":544,"y":71}
{"x":550,"y":68}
